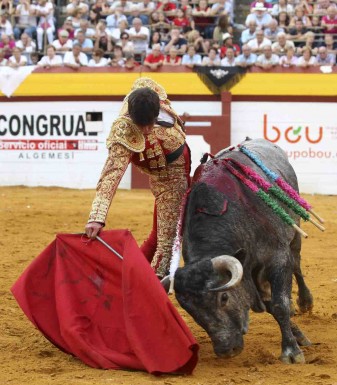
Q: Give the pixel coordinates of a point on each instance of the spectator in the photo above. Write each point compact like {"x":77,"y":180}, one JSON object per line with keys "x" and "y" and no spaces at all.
{"x":172,"y":58}
{"x":5,"y":24}
{"x":228,"y":43}
{"x":184,"y":5}
{"x":126,"y":44}
{"x":200,"y":44}
{"x":33,"y":59}
{"x":267,"y":4}
{"x":222,"y":7}
{"x":135,"y":13}
{"x":330,"y":44}
{"x":316,"y":24}
{"x":259,"y":42}
{"x":247,"y":58}
{"x":309,"y":43}
{"x":63,"y":43}
{"x":249,"y":33}
{"x":17,"y":60}
{"x":267,"y":59}
{"x":162,"y":25}
{"x":67,"y":26}
{"x":223,"y":26}
{"x":307,"y":8}
{"x":94,"y":17}
{"x":118,"y":59}
{"x":324,"y":58}
{"x":289,"y":59}
{"x":259,"y":15}
{"x":306,"y":60}
{"x":299,"y":15}
{"x":130,"y":62}
{"x":73,"y":6}
{"x":75,"y":58}
{"x":212,"y":59}
{"x":140,"y":36}
{"x":298,"y":33}
{"x":146,"y":7}
{"x":103,"y":38}
{"x":155,"y":59}
{"x":3,"y":60}
{"x":321,"y":7}
{"x":191,"y":58}
{"x":329,"y":21}
{"x":155,"y":39}
{"x":229,"y":59}
{"x":86,"y":44}
{"x":203,"y":19}
{"x":25,"y":12}
{"x":168,"y":7}
{"x":26,"y":44}
{"x":101,"y":8}
{"x":7,"y":45}
{"x":7,"y":6}
{"x":50,"y":60}
{"x":84,"y":27}
{"x":76,"y":18}
{"x":282,"y":6}
{"x":177,"y":41}
{"x":45,"y":12}
{"x":114,"y":20}
{"x":116,"y":32}
{"x":122,"y":6}
{"x":181,"y":20}
{"x":282,"y":44}
{"x":283,"y":20}
{"x":273,"y":30}
{"x":98,"y":59}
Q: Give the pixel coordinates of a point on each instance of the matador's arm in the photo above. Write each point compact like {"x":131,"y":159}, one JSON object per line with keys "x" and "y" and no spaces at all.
{"x":115,"y":166}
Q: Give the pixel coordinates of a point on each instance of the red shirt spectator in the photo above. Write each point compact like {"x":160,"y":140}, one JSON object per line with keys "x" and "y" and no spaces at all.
{"x":329,"y":21}
{"x":181,"y":21}
{"x":155,"y":59}
{"x":228,"y":43}
{"x":7,"y":45}
{"x":167,"y":7}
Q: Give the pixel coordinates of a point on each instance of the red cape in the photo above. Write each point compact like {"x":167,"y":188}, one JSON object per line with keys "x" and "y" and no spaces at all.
{"x":110,"y":313}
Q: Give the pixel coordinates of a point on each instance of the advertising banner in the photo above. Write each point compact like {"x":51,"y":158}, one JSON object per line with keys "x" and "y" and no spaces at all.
{"x":306,"y":131}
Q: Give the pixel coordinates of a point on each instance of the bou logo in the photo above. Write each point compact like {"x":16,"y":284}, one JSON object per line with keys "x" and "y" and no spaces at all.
{"x":291,"y":134}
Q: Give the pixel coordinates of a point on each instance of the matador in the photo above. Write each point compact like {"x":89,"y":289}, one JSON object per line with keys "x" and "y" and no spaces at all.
{"x":149,"y":134}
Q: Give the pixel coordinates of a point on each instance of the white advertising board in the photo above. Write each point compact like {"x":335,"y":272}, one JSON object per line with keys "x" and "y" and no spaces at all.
{"x":306,"y":131}
{"x":63,"y":143}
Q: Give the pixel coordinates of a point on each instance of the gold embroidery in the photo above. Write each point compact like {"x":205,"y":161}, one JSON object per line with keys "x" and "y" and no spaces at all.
{"x":161,"y":162}
{"x":153,"y":164}
{"x":157,"y":150}
{"x":149,"y":153}
{"x":147,"y":82}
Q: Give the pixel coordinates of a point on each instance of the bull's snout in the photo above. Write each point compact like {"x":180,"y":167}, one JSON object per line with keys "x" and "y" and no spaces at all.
{"x":226,"y":350}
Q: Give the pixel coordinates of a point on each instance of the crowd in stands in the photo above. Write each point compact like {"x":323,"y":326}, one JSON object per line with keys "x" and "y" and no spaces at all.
{"x":123,"y":33}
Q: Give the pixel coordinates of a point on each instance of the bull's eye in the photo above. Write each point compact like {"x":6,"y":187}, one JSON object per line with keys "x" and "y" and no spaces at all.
{"x":222,"y":299}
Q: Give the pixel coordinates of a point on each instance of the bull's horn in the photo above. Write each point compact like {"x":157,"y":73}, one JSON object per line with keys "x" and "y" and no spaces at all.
{"x":225,"y":263}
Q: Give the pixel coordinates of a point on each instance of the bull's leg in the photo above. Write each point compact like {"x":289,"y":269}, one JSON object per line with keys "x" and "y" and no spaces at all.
{"x":301,"y":339}
{"x":304,"y":299}
{"x":280,"y":278}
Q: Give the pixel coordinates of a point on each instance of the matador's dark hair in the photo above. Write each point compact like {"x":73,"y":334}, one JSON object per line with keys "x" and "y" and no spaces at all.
{"x":144,"y":105}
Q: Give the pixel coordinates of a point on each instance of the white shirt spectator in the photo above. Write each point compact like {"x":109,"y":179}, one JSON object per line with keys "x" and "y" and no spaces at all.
{"x":206,"y":61}
{"x":6,"y":28}
{"x":273,"y":60}
{"x":254,"y":44}
{"x":302,"y":61}
{"x":3,"y":62}
{"x":72,"y":6}
{"x":261,"y":21}
{"x":140,"y":45}
{"x":89,"y":32}
{"x":289,"y":9}
{"x":285,"y":62}
{"x":57,"y":44}
{"x":226,"y":63}
{"x":23,"y":60}
{"x":25,"y":15}
{"x":126,"y":6}
{"x":46,"y":61}
{"x":47,"y":12}
{"x":28,"y":49}
{"x":102,"y":63}
{"x":247,"y":60}
{"x":247,"y":35}
{"x":151,"y":6}
{"x":69,"y":58}
{"x":187,"y":59}
{"x":113,"y":20}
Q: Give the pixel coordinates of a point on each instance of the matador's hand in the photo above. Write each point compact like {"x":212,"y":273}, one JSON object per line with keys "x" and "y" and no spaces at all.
{"x":92,"y":229}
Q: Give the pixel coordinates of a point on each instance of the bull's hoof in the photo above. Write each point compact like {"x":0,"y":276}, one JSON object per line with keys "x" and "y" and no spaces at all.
{"x":292,"y":358}
{"x":305,"y":304}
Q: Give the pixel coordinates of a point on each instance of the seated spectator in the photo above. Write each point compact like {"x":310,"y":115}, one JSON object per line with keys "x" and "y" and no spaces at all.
{"x":126,"y":44}
{"x":307,"y":8}
{"x":86,"y":44}
{"x":222,"y":7}
{"x":299,"y":15}
{"x":155,"y":39}
{"x":155,"y":59}
{"x":113,"y":21}
{"x":267,"y":59}
{"x":103,"y":38}
{"x":321,"y":7}
{"x":330,"y":44}
{"x":140,"y":36}
{"x":26,"y":19}
{"x":50,"y":60}
{"x":67,"y":26}
{"x":63,"y":43}
{"x":306,"y":60}
{"x":200,"y":44}
{"x":228,"y":43}
{"x":123,"y":26}
{"x":282,"y":6}
{"x":176,"y":40}
{"x":191,"y":58}
{"x":249,"y":33}
{"x":74,"y":5}
{"x":130,"y":62}
{"x":181,"y":20}
{"x":247,"y":58}
{"x":84,"y":27}
{"x":223,"y":26}
{"x":118,"y":59}
{"x":162,"y":25}
{"x":283,"y":21}
{"x":75,"y":58}
{"x":135,"y":13}
{"x":98,"y":59}
{"x":3,"y":60}
{"x":168,"y":7}
{"x":76,"y":18}
{"x":259,"y":42}
{"x":212,"y":59}
{"x":272,"y":30}
{"x":329,"y":21}
{"x":229,"y":59}
{"x":308,"y":43}
{"x":289,"y":59}
{"x":7,"y":45}
{"x":203,"y":19}
{"x":101,"y":8}
{"x":316,"y":24}
{"x":7,"y":6}
{"x":324,"y":58}
{"x":17,"y":60}
{"x":184,"y":5}
{"x":298,"y":33}
{"x":172,"y":58}
{"x":5,"y":24}
{"x":26,"y":44}
{"x":45,"y":12}
{"x":259,"y":15}
{"x":94,"y":17}
{"x":282,"y":44}
{"x":146,"y":7}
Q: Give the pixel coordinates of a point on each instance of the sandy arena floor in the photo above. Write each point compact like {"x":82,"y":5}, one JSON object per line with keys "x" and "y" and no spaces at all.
{"x":30,"y":219}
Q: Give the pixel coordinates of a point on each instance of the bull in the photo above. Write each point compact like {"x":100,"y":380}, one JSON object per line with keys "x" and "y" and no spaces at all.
{"x":239,"y":255}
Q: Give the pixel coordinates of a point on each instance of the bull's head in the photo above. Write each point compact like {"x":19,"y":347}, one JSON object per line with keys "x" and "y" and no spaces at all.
{"x":216,"y":295}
